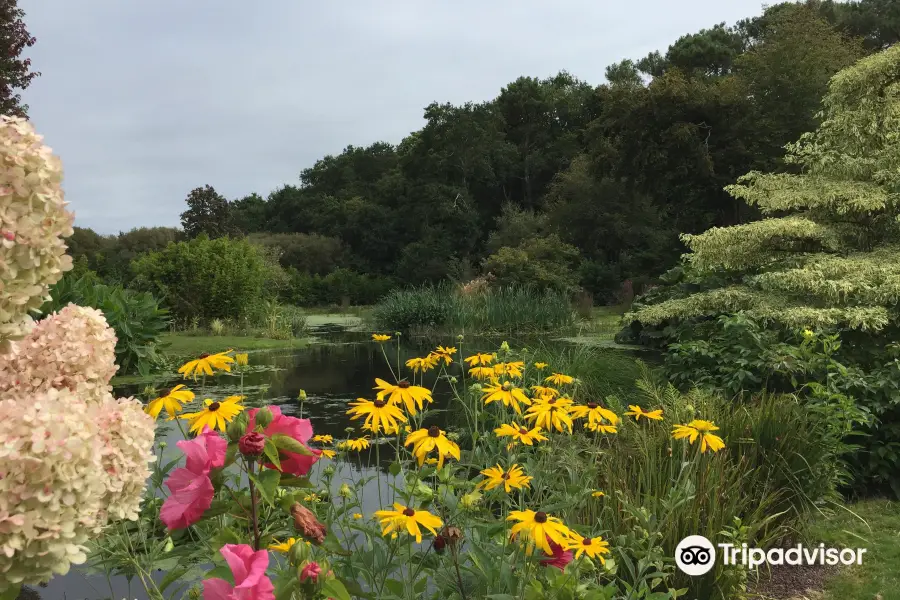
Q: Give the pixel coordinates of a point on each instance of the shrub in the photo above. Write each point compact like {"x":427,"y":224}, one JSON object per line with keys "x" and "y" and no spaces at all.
{"x":220,"y":278}
{"x":544,"y":262}
{"x":339,"y":287}
{"x":136,"y":317}
{"x":306,"y":252}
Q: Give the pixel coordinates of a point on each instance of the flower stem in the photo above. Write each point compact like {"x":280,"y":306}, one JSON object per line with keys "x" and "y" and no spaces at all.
{"x":254,"y":523}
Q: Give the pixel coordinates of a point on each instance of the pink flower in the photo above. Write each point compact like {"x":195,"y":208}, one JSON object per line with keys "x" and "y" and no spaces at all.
{"x":249,"y":569}
{"x":559,"y":558}
{"x":190,"y":486}
{"x":299,"y":429}
{"x":252,"y":444}
{"x":310,"y":571}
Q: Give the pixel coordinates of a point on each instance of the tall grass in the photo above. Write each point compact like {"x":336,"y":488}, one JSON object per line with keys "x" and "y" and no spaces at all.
{"x":442,"y":308}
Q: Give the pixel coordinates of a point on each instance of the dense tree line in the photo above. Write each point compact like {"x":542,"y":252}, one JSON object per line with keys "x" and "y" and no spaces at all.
{"x":560,"y":182}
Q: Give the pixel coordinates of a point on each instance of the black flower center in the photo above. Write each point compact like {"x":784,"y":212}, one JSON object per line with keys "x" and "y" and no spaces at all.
{"x":403,"y":385}
{"x":523,"y":432}
{"x":204,"y":355}
{"x":551,"y":401}
{"x":214,"y":406}
{"x":408,"y":512}
{"x":540,"y":517}
{"x":380,"y":403}
{"x":592,"y":405}
{"x":434,"y":431}
{"x":586,"y":541}
{"x":504,"y":476}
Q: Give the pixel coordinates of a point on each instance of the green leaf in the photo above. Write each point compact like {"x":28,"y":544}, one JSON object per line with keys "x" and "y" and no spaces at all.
{"x":394,"y":469}
{"x":285,"y":588}
{"x":285,"y":442}
{"x":220,"y":572}
{"x":226,"y":536}
{"x":11,"y":593}
{"x":331,"y":544}
{"x":266,"y":483}
{"x":395,"y":587}
{"x":335,"y":589}
{"x":171,"y":577}
{"x":272,"y":454}
{"x":231,"y":454}
{"x":296,"y":482}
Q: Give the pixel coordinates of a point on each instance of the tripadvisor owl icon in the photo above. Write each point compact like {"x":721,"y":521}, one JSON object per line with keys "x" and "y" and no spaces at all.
{"x":695,"y":555}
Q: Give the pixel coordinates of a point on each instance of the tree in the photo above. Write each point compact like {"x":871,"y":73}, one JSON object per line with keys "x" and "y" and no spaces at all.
{"x":709,"y":52}
{"x":15,"y":73}
{"x":828,"y":252}
{"x":249,"y":213}
{"x":208,"y":212}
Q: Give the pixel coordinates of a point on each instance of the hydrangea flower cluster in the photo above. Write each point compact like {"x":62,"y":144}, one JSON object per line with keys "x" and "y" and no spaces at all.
{"x":72,"y":457}
{"x":73,"y":349}
{"x":33,"y":223}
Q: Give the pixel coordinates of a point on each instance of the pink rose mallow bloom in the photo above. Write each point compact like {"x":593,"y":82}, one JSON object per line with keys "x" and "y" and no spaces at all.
{"x":311,"y":571}
{"x":299,"y":429}
{"x":559,"y":559}
{"x":250,"y":580}
{"x":190,"y":486}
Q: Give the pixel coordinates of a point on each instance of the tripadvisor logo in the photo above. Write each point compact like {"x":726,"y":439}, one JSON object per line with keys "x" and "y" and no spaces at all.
{"x":695,"y":555}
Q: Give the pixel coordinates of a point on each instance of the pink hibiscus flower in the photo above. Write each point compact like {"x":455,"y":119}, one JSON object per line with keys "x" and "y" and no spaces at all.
{"x":191,"y":490}
{"x":559,"y":559}
{"x":299,"y":429}
{"x":250,"y":580}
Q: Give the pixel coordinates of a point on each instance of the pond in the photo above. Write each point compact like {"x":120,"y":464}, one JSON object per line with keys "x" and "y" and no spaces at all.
{"x":339,"y":367}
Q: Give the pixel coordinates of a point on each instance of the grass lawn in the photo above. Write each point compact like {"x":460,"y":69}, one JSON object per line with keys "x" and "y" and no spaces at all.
{"x":879,"y":575}
{"x":185,"y":344}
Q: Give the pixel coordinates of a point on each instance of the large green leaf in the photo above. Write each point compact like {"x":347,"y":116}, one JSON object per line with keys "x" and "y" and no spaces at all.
{"x":335,"y":589}
{"x":266,"y":483}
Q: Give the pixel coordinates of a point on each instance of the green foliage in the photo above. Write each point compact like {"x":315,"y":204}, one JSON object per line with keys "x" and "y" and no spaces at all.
{"x":342,"y":287}
{"x":222,"y":278}
{"x":306,"y":252}
{"x":135,"y":316}
{"x":541,"y":262}
{"x":443,"y":308}
{"x":208,"y":212}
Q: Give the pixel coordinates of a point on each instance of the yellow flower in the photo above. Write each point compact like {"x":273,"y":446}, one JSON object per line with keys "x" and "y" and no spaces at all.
{"x":600,"y":428}
{"x":426,"y":440}
{"x":422,"y":364}
{"x":597,"y":494}
{"x":506,"y":393}
{"x":379,"y":415}
{"x":328,"y":453}
{"x":215,"y":415}
{"x":357,"y":445}
{"x":541,"y":391}
{"x":515,"y":478}
{"x":312,"y":498}
{"x":394,"y":536}
{"x":172,"y":402}
{"x":284,"y":547}
{"x":701,"y":429}
{"x":380,"y":337}
{"x":480,"y":359}
{"x":357,"y":516}
{"x":431,"y":461}
{"x":559,"y":379}
{"x":323,"y":439}
{"x":551,"y":414}
{"x":471,"y":500}
{"x":241,"y":359}
{"x":445,"y":353}
{"x":595,"y":414}
{"x":403,"y":517}
{"x":537,"y":527}
{"x":206,"y":363}
{"x":512,"y":369}
{"x":540,"y":366}
{"x":808,"y":334}
{"x":410,"y":395}
{"x":637,"y":412}
{"x":520,"y":433}
{"x":593,"y":547}
{"x":482,"y":372}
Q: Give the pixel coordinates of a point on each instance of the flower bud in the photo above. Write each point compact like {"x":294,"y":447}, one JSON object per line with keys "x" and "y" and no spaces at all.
{"x":439,"y":544}
{"x":236,"y":428}
{"x":460,"y":338}
{"x":264,"y":417}
{"x":345,"y":491}
{"x":163,"y":445}
{"x":504,"y":346}
{"x":310,"y":571}
{"x":298,"y":553}
{"x":252,"y":444}
{"x":306,"y":523}
{"x":301,"y":395}
{"x":328,"y":471}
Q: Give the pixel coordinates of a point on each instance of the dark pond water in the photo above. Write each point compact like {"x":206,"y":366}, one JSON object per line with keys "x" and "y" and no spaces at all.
{"x":339,"y":368}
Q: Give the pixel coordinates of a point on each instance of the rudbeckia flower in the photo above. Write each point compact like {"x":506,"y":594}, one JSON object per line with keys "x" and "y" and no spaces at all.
{"x":422,"y":364}
{"x":600,"y":428}
{"x":406,"y":518}
{"x":323,"y":439}
{"x":482,"y":372}
{"x":594,"y":412}
{"x":703,"y":430}
{"x":520,"y":433}
{"x":514,"y":479}
{"x":216,"y":414}
{"x":539,"y":529}
{"x":593,"y":547}
{"x":206,"y":363}
{"x":480,"y":359}
{"x":241,"y":359}
{"x":540,"y":366}
{"x":445,"y":353}
{"x":551,"y":414}
{"x":380,"y":415}
{"x":541,"y":391}
{"x":357,"y":445}
{"x":637,"y":412}
{"x":284,"y":547}
{"x":171,"y":402}
{"x":380,"y":337}
{"x":511,"y":369}
{"x":559,"y":379}
{"x":426,"y":440}
{"x":403,"y":392}
{"x":506,"y":393}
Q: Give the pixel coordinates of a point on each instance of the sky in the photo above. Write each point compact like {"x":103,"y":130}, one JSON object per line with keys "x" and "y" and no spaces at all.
{"x":146,"y":100}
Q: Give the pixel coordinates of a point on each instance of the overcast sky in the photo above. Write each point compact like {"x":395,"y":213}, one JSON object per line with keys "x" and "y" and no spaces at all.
{"x":145,"y":100}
